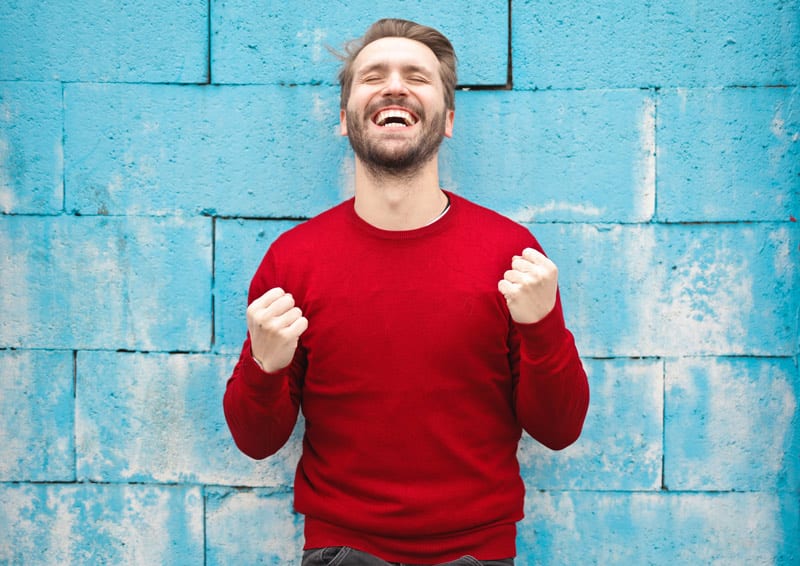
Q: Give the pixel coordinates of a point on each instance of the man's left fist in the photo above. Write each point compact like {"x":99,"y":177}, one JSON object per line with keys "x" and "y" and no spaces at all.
{"x":530,"y":286}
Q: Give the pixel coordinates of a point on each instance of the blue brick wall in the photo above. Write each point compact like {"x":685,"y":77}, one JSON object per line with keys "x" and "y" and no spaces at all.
{"x":150,"y":152}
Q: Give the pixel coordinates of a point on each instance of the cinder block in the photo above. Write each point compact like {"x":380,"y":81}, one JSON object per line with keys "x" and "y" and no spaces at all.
{"x":42,"y":524}
{"x":290,"y":43}
{"x":729,"y":154}
{"x":36,"y":416}
{"x":659,"y":528}
{"x":31,"y":151}
{"x":732,"y":424}
{"x":678,"y":290}
{"x":105,"y":283}
{"x":621,"y":444}
{"x":601,"y":44}
{"x":161,"y":41}
{"x":252,"y":527}
{"x":555,"y":156}
{"x":233,"y":151}
{"x":239,"y":247}
{"x":159,"y":418}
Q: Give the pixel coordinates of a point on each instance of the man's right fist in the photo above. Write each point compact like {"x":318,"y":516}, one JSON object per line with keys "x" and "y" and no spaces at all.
{"x":275,"y":325}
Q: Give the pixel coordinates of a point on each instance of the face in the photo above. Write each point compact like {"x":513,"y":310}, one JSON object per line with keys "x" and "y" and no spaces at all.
{"x":396,"y":116}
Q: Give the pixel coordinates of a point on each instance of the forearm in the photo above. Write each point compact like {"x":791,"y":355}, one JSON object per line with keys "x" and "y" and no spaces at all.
{"x":259,"y":407}
{"x":552,"y":392}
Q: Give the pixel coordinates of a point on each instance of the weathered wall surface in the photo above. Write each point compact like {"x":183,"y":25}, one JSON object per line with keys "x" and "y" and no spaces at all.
{"x":150,"y":152}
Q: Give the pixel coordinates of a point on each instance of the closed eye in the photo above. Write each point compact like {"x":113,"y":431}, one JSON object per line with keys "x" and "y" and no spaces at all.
{"x":418,"y":79}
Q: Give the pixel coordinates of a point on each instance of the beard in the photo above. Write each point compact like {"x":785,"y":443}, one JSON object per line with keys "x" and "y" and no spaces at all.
{"x":402,"y":159}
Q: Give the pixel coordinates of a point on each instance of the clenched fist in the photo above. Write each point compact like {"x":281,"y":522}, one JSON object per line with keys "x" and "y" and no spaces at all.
{"x":530,"y":286}
{"x":275,"y":325}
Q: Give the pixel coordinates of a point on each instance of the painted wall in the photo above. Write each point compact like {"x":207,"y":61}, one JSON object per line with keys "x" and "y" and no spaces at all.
{"x":150,"y":152}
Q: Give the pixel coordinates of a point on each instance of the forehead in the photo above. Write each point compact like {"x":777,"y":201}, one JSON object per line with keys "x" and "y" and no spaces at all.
{"x":396,"y":51}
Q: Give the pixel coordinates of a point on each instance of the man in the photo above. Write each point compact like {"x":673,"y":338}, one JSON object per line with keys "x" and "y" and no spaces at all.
{"x":419,"y":332}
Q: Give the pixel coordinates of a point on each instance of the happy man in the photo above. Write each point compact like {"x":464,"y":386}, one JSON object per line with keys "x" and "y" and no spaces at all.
{"x":420,"y":334}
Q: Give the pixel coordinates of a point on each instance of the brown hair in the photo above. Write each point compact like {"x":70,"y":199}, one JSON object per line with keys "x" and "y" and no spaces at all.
{"x":392,"y":27}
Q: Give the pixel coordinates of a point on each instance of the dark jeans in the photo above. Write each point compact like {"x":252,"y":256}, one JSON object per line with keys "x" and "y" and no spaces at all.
{"x":346,"y":556}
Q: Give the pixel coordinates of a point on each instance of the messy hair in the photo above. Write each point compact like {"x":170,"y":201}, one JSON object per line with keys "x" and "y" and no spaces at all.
{"x":392,"y":27}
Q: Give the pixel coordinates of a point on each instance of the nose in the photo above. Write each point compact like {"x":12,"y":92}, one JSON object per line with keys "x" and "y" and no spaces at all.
{"x":395,"y":85}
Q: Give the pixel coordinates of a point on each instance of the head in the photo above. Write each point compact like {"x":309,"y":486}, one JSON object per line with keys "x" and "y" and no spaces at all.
{"x":390,"y":27}
{"x":395,"y":72}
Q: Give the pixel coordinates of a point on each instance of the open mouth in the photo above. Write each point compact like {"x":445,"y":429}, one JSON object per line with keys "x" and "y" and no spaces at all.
{"x":394,"y":118}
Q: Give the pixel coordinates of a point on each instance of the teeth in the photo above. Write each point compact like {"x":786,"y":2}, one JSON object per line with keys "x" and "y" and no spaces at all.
{"x":395,"y":118}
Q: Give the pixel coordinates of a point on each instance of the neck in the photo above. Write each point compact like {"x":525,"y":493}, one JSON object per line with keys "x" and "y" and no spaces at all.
{"x":399,"y":202}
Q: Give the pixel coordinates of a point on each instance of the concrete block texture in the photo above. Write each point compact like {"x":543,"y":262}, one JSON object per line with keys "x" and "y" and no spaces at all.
{"x":239,"y":247}
{"x":169,"y":426}
{"x":109,"y":283}
{"x":577,"y":156}
{"x":661,"y":529}
{"x":728,"y":154}
{"x":621,"y":445}
{"x":732,"y":424}
{"x":37,"y":416}
{"x":169,"y":149}
{"x":104,"y":40}
{"x":678,"y":290}
{"x":31,"y":148}
{"x":150,"y":153}
{"x":283,"y":43}
{"x":45,"y":524}
{"x":596,"y":44}
{"x":264,"y":518}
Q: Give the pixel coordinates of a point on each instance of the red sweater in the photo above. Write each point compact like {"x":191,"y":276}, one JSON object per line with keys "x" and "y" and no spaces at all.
{"x":414,"y":382}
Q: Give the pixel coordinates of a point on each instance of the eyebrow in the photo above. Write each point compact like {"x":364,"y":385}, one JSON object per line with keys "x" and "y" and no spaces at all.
{"x":409,"y":68}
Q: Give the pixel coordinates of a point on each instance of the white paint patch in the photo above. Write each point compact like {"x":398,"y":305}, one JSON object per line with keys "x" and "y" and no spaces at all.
{"x":321,"y":110}
{"x":557,"y":509}
{"x":65,"y":533}
{"x":708,"y":298}
{"x":530,"y":213}
{"x":683,"y":97}
{"x":777,"y":126}
{"x":782,"y":262}
{"x":637,"y":252}
{"x":778,"y":152}
{"x":644,"y":167}
{"x":115,"y":184}
{"x":316,"y":38}
{"x":6,"y":112}
{"x":6,"y":190}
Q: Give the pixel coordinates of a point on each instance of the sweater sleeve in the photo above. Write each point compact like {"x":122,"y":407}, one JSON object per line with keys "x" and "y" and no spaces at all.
{"x":551,"y":393}
{"x":261,"y":408}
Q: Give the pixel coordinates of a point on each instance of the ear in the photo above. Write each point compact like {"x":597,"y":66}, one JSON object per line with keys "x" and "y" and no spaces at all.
{"x":448,"y":126}
{"x":342,"y":122}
